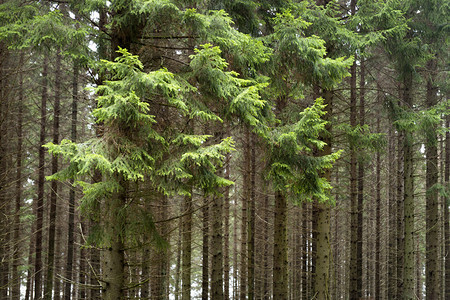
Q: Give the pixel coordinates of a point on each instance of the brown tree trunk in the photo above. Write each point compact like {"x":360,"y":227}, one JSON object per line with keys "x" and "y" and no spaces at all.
{"x":432,"y":249}
{"x":54,"y":185}
{"x":446,"y":210}
{"x":244,"y":217}
{"x":17,"y":249}
{"x":71,"y":219}
{"x":205,"y":249}
{"x":38,"y":267}
{"x":251,"y":221}
{"x":355,"y":276}
{"x":323,"y":253}
{"x":187,"y":249}
{"x":226,"y":235}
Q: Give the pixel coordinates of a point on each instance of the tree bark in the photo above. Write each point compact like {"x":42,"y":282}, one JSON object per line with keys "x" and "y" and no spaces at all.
{"x":205,"y":249}
{"x":54,"y":184}
{"x":322,"y":255}
{"x":432,"y":249}
{"x":408,"y":178}
{"x":17,"y":249}
{"x":38,"y":268}
{"x":71,"y":220}
{"x":187,"y":248}
{"x":251,"y":220}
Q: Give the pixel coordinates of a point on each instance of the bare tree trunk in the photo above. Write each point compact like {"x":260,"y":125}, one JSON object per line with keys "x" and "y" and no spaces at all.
{"x":392,"y":215}
{"x":251,"y":220}
{"x":408,"y":154}
{"x":217,"y":249}
{"x":355,"y":268}
{"x":54,"y":185}
{"x":187,"y":249}
{"x":244,"y":217}
{"x":226,"y":235}
{"x":432,"y":250}
{"x":38,"y":268}
{"x":205,"y":249}
{"x":17,"y":249}
{"x":71,"y":220}
{"x":446,"y":210}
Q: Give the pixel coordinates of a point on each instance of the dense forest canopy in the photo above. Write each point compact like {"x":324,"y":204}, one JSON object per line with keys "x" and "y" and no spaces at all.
{"x":182,"y":149}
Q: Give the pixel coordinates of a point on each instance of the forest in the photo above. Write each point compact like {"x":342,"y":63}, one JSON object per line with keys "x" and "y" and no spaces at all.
{"x":220,"y":149}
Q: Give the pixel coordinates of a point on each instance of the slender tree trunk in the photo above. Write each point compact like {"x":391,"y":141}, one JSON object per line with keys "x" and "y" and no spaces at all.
{"x":244,"y":217}
{"x":305,"y":238}
{"x":226,"y":236}
{"x":266,"y":274}
{"x":217,"y":249}
{"x":446,"y":210}
{"x":38,"y":267}
{"x":17,"y":249}
{"x":205,"y":249}
{"x":392,"y":215}
{"x":355,"y":276}
{"x":187,"y":248}
{"x":432,"y":249}
{"x":408,"y":154}
{"x":71,"y":220}
{"x":280,"y":256}
{"x":178,"y":261}
{"x":251,"y":221}
{"x":359,"y":249}
{"x":400,"y":217}
{"x":54,"y":185}
{"x":378,"y":221}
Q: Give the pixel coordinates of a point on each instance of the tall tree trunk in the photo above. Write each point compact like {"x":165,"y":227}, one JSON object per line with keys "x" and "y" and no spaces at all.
{"x":71,"y":220}
{"x":432,"y":248}
{"x":177,"y":263}
{"x":355,"y":276}
{"x":359,"y":249}
{"x":217,"y":249}
{"x":226,"y":235}
{"x":112,"y":255}
{"x":280,"y":256}
{"x":305,"y":256}
{"x":38,"y":268}
{"x":392,"y":213}
{"x":54,"y":185}
{"x":446,"y":210}
{"x":251,"y":220}
{"x":378,"y":216}
{"x":187,"y":248}
{"x":400,"y":216}
{"x":280,"y":279}
{"x":244,"y":217}
{"x":378,"y":222}
{"x":408,"y":154}
{"x":205,"y":248}
{"x":323,"y":253}
{"x":17,"y":249}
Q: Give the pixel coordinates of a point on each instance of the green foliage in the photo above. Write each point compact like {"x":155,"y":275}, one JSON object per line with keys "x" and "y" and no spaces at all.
{"x":292,"y":168}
